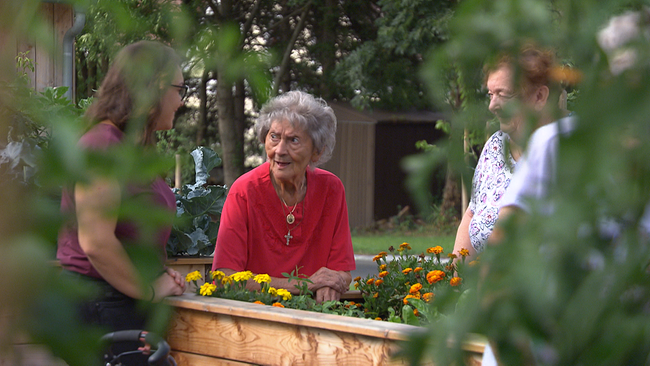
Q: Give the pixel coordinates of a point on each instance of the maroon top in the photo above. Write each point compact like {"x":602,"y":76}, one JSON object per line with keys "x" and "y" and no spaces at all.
{"x":69,"y":252}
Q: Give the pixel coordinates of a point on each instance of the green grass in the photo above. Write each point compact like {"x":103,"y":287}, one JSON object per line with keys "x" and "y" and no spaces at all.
{"x":375,"y":243}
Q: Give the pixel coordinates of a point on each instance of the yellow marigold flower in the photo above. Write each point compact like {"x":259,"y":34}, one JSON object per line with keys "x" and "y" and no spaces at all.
{"x":435,"y":276}
{"x":278,"y":305}
{"x":383,"y":274}
{"x":207,"y":289}
{"x":370,"y":281}
{"x":382,"y":267}
{"x":273,"y":291}
{"x":375,"y":295}
{"x":415,"y":288}
{"x":226,"y":280}
{"x":242,"y":276}
{"x":357,"y":279}
{"x":286,"y":295}
{"x":217,"y":275}
{"x":404,"y":246}
{"x":417,"y":269}
{"x":193,"y":276}
{"x":262,"y":278}
{"x":428,"y":296}
{"x":379,"y":282}
{"x":464,"y":252}
{"x":407,"y":270}
{"x":455,"y":281}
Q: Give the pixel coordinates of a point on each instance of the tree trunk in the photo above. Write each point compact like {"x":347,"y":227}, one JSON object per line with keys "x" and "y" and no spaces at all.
{"x":203,"y":109}
{"x":232,"y":149}
{"x":451,"y":196}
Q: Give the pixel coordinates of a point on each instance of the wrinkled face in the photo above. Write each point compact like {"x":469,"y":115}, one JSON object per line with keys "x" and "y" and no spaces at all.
{"x":290,"y":150}
{"x":508,"y":104}
{"x":501,"y":93}
{"x":171,"y":101}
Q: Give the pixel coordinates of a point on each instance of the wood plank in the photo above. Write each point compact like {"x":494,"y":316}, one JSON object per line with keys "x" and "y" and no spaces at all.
{"x":44,"y":63}
{"x":191,"y":359}
{"x":63,"y":20}
{"x":273,"y":343}
{"x":367,"y":327}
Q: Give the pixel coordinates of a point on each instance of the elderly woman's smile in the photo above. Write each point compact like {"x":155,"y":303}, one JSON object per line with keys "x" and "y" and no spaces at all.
{"x":290,"y":149}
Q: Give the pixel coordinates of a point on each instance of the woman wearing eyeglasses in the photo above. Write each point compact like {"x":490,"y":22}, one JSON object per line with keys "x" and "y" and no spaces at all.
{"x":518,"y":89}
{"x":139,"y":95}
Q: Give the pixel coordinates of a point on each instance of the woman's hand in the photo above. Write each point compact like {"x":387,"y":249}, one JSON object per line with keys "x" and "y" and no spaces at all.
{"x":327,"y":294}
{"x":167,"y":285}
{"x":326,"y":281}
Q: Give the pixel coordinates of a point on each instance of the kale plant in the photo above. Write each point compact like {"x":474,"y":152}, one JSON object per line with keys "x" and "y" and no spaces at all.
{"x":195,"y":232}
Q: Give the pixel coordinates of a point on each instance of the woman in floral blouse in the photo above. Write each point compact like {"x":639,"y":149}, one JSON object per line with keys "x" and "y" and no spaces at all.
{"x":502,"y":150}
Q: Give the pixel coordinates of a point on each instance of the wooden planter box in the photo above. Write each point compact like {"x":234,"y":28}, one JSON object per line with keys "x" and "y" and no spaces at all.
{"x":213,"y":331}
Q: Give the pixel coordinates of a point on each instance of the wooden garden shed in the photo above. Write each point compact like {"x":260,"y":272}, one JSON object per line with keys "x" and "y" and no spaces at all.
{"x":370,"y":146}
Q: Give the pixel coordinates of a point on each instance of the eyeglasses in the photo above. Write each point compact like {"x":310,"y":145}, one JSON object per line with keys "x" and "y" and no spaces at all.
{"x":182,"y":90}
{"x":500,"y":95}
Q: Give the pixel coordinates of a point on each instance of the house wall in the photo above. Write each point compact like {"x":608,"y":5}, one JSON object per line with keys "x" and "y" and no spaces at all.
{"x":47,"y":50}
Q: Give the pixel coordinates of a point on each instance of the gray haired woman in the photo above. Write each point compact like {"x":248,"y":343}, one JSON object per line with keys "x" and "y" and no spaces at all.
{"x":287,"y":214}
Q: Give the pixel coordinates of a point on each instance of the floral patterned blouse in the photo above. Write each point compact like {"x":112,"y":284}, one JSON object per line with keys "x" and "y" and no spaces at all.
{"x":491,"y":178}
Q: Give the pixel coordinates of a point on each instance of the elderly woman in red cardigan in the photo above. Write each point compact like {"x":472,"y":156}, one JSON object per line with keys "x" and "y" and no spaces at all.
{"x":286,"y":213}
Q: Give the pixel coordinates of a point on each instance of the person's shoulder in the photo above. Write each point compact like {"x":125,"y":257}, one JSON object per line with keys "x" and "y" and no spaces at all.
{"x":252,"y":178}
{"x":325,"y":178}
{"x":101,"y":136}
{"x":563,"y":126}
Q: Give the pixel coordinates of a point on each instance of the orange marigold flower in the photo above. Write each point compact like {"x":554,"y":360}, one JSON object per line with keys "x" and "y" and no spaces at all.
{"x":473,"y":263}
{"x":435,"y":250}
{"x":417,"y":269}
{"x":415,"y":288}
{"x":258,"y":302}
{"x":378,"y":318}
{"x":455,"y":281}
{"x":356,"y":285}
{"x":382,"y":267}
{"x":358,"y":278}
{"x":435,"y":276}
{"x":278,"y":305}
{"x":352,"y":303}
{"x":379,"y":282}
{"x":407,"y":270}
{"x":376,"y":258}
{"x":405,"y":246}
{"x":416,"y":312}
{"x":452,"y":256}
{"x":428,"y":296}
{"x":383,"y":274}
{"x":370,"y":281}
{"x":464,"y":252}
{"x":375,"y":295}
{"x":411,"y":296}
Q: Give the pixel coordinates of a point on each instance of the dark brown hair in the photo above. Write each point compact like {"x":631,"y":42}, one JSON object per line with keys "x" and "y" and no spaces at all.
{"x":130,"y":95}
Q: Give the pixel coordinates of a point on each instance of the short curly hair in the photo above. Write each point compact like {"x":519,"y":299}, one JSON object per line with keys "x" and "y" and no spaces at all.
{"x":303,"y":110}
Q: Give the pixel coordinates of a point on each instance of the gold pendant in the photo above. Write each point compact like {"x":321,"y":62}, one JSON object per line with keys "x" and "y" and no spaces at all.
{"x":290,"y":219}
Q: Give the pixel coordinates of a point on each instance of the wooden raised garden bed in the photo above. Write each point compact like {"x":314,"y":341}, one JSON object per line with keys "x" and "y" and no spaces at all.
{"x":213,"y":331}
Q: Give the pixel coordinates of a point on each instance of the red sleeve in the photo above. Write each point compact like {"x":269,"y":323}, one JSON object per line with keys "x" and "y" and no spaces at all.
{"x":231,"y":249}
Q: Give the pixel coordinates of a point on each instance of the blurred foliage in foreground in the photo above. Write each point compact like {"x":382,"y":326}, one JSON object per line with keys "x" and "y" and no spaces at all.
{"x":558,"y":290}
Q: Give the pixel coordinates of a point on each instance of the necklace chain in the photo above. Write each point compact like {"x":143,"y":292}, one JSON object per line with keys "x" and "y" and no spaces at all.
{"x":291,"y":219}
